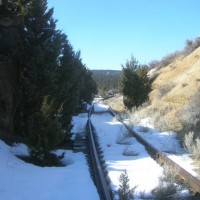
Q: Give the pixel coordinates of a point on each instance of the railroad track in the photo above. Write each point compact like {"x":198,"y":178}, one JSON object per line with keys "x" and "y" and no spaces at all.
{"x":98,"y":168}
{"x":96,"y":162}
{"x":162,"y":159}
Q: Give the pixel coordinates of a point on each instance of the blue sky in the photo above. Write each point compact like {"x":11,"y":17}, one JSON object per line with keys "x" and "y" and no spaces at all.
{"x":108,"y":32}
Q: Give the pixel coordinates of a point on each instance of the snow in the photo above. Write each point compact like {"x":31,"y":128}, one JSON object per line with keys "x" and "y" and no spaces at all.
{"x":20,"y":180}
{"x":166,"y":142}
{"x":79,"y":123}
{"x":142,"y":170}
{"x":100,"y":108}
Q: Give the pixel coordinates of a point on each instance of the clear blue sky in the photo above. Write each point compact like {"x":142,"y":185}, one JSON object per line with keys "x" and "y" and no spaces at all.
{"x":108,"y":32}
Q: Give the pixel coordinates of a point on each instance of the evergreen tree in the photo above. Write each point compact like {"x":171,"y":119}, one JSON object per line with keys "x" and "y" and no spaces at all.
{"x":135,"y":84}
{"x":45,"y":133}
{"x":125,"y":192}
{"x":11,"y":50}
{"x":49,"y":77}
{"x":67,"y":86}
{"x":90,"y":86}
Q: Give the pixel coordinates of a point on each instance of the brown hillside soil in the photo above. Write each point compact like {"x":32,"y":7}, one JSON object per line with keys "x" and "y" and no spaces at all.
{"x":175,"y":85}
{"x":116,"y":103}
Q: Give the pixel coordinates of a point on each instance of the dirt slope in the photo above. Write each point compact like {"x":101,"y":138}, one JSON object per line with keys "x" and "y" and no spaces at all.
{"x":172,"y":89}
{"x":174,"y":86}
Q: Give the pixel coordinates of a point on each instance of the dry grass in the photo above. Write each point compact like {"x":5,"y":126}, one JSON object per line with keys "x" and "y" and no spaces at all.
{"x":164,"y":89}
{"x":169,"y":185}
{"x":116,"y":103}
{"x":161,"y":117}
{"x":192,"y":145}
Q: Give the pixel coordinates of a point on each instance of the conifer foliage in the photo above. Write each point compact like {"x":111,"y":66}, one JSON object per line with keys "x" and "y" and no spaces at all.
{"x":46,"y":80}
{"x":135,"y":83}
{"x":125,"y":192}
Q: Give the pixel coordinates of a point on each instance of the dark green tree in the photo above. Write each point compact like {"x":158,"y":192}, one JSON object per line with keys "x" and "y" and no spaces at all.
{"x":135,"y":84}
{"x":89,"y":88}
{"x":11,"y":50}
{"x":45,"y":133}
{"x":44,"y":64}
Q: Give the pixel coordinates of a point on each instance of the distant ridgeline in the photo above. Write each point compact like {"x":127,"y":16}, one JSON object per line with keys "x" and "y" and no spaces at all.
{"x":107,"y":81}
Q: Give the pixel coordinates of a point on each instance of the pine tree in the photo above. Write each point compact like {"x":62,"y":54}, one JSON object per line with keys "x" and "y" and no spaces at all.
{"x":135,"y":84}
{"x":90,"y":86}
{"x":11,"y":50}
{"x":125,"y":192}
{"x":45,"y":133}
{"x":45,"y":66}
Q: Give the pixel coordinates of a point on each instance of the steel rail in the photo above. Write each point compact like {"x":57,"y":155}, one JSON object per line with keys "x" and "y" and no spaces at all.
{"x":162,"y":159}
{"x":98,"y":171}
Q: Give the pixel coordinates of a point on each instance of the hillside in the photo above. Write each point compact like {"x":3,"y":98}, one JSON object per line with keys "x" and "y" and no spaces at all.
{"x":106,"y":72}
{"x":174,"y":87}
{"x":172,"y":105}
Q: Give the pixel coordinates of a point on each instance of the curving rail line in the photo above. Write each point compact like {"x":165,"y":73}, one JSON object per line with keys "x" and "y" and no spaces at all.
{"x":162,"y":159}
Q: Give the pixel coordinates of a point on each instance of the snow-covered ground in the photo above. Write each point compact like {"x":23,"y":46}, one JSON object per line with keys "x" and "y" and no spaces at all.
{"x":131,"y":156}
{"x":20,"y":180}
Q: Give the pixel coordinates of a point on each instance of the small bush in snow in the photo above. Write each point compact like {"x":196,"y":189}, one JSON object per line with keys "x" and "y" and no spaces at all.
{"x":144,"y":129}
{"x":168,"y":185}
{"x":125,"y":192}
{"x":170,"y":174}
{"x":165,"y":191}
{"x":122,"y":136}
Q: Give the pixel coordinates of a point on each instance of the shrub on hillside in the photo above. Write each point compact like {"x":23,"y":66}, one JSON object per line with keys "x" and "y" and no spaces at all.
{"x":164,"y":89}
{"x":169,"y":58}
{"x":191,"y":45}
{"x":192,"y":145}
{"x":166,"y":60}
{"x":190,"y":116}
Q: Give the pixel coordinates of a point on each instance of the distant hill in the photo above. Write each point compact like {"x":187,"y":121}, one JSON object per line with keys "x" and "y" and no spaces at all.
{"x":107,"y":72}
{"x":107,"y":80}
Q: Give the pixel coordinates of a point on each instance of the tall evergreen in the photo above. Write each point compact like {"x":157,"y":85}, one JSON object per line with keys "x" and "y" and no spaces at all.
{"x":135,"y":84}
{"x":11,"y":50}
{"x":89,"y":86}
{"x":49,"y":78}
